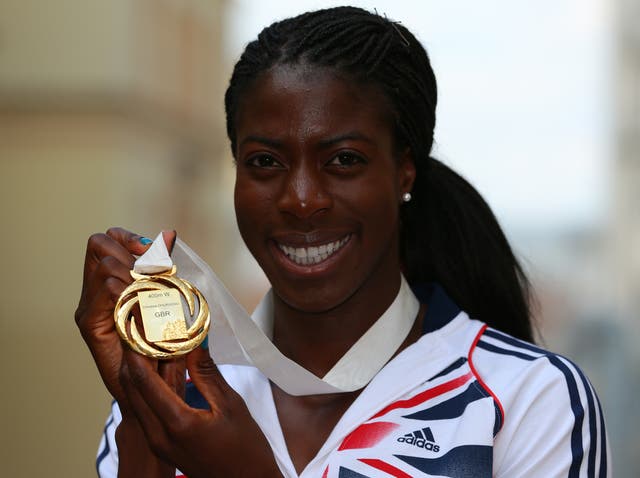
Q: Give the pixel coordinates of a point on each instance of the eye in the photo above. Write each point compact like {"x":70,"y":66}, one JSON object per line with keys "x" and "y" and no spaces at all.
{"x":264,"y":161}
{"x":346,"y":159}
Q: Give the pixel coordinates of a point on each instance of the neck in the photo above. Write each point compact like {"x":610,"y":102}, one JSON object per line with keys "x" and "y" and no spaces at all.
{"x":317,"y":340}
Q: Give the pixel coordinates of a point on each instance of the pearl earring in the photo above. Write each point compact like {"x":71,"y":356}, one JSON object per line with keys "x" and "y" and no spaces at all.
{"x":406,"y":197}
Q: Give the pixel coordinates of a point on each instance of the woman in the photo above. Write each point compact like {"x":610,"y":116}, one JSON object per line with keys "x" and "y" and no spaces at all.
{"x":331,"y":116}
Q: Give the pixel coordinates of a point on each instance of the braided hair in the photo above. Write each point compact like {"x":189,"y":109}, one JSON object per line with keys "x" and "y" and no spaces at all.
{"x":448,"y":233}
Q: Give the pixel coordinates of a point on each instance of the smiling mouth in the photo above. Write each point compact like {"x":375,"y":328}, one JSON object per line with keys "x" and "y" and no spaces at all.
{"x":305,"y":256}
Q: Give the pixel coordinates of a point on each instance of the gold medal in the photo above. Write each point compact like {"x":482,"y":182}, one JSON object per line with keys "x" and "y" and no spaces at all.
{"x":160,"y":296}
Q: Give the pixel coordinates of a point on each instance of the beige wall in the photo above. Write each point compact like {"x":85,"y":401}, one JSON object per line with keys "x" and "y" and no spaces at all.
{"x":110,"y":114}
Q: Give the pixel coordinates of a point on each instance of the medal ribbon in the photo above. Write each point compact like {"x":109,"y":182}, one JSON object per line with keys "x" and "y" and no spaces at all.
{"x":237,"y":338}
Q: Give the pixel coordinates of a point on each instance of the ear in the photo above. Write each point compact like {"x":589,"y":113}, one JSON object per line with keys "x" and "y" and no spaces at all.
{"x":406,"y":172}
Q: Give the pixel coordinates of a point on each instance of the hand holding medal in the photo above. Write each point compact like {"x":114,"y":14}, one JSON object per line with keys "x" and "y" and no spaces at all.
{"x":150,"y":393}
{"x":161,"y":295}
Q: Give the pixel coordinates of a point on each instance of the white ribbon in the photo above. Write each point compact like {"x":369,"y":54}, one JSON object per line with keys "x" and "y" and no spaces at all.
{"x":236,"y":338}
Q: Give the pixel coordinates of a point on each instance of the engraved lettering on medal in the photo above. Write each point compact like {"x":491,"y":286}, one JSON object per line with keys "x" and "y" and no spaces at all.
{"x":162,"y":315}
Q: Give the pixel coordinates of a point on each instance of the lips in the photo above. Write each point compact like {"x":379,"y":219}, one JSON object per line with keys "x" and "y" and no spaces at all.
{"x":311,"y":255}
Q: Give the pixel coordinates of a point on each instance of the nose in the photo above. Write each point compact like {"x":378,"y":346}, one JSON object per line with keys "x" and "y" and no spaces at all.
{"x":304,"y":193}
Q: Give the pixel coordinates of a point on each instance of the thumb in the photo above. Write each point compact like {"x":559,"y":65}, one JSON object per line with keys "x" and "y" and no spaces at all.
{"x":206,"y":377}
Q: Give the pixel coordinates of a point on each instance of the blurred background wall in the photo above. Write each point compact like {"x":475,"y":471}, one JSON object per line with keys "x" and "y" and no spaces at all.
{"x":111,"y":114}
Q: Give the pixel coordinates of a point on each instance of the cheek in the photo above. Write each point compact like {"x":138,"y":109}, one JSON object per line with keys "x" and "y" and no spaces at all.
{"x":384,"y":218}
{"x":253,"y":207}
{"x":375,"y":200}
{"x":377,"y":211}
{"x":246,"y":202}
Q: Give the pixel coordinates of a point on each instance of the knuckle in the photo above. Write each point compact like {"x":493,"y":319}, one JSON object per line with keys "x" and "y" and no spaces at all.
{"x":79,"y":314}
{"x":114,"y":288}
{"x":135,"y":376}
{"x":112,"y":231}
{"x":109,"y":263}
{"x":95,"y":239}
{"x":123,"y":375}
{"x":108,"y":266}
{"x":206,"y":366}
{"x":119,"y":234}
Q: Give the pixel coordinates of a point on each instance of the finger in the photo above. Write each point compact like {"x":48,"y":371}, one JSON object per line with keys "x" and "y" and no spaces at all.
{"x":207,"y":378}
{"x":107,"y":269}
{"x":156,"y":393}
{"x":173,"y":372}
{"x":95,"y":320}
{"x":102,"y":290}
{"x":132,"y":242}
{"x":94,"y":317}
{"x":152,"y":426}
{"x":100,"y":246}
{"x":109,"y":257}
{"x":137,"y":244}
{"x":100,"y":305}
{"x":105,"y":345}
{"x":119,"y":244}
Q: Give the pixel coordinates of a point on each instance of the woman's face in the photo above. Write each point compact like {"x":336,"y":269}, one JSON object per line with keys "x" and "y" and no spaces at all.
{"x":318,"y":187}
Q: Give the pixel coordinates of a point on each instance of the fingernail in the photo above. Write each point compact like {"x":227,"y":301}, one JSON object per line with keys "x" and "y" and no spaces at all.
{"x":145,"y":241}
{"x":205,"y":343}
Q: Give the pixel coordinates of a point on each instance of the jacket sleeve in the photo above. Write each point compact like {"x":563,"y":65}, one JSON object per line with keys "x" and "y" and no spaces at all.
{"x":107,"y":459}
{"x":553,"y":425}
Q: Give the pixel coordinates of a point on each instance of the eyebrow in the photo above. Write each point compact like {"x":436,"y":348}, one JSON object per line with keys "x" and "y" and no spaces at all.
{"x":351,"y":136}
{"x":324,"y":143}
{"x":274,"y":143}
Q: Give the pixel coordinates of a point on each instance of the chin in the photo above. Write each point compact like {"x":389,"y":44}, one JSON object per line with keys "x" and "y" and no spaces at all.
{"x":311,"y":299}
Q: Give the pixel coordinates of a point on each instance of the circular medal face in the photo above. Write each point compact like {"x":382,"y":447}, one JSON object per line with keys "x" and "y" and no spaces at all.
{"x":166,"y":331}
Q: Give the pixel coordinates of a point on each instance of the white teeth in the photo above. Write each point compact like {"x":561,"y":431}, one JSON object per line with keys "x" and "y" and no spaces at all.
{"x":314,"y":254}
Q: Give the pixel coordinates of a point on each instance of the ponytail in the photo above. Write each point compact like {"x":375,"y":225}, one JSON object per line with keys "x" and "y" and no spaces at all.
{"x":451,"y":237}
